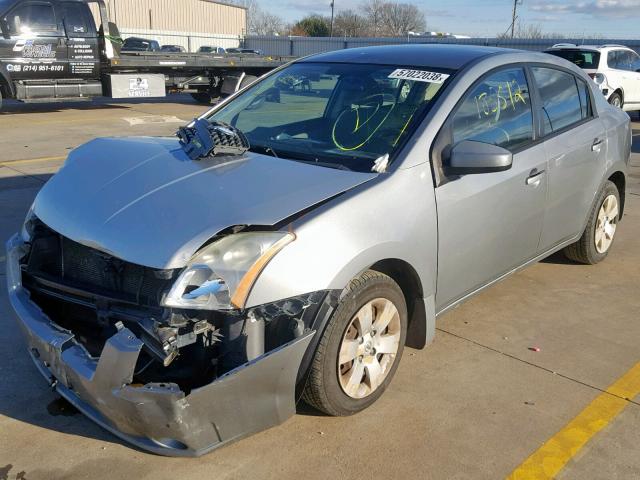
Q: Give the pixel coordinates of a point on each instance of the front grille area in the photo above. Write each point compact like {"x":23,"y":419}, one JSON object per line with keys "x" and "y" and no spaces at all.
{"x":58,"y":260}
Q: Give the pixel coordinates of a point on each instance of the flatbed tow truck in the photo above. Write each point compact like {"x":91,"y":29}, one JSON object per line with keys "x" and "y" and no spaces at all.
{"x":58,"y":51}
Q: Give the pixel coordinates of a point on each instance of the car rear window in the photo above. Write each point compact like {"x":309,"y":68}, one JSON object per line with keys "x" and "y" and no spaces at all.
{"x":587,"y":59}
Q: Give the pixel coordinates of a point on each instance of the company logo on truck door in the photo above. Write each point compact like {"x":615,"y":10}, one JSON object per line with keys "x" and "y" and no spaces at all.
{"x":29,"y":50}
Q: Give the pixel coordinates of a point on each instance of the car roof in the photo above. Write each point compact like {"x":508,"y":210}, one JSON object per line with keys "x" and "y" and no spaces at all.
{"x":446,"y":56}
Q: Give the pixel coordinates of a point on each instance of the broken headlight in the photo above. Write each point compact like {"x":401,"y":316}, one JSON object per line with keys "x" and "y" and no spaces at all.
{"x":27,"y":227}
{"x":220,"y":276}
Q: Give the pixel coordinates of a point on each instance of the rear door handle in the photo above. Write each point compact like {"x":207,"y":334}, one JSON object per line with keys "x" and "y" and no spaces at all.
{"x":597,"y":145}
{"x":535,"y":177}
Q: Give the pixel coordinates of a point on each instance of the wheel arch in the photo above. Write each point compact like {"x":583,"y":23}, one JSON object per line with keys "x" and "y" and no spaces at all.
{"x":5,"y":86}
{"x":409,"y":282}
{"x":620,"y":181}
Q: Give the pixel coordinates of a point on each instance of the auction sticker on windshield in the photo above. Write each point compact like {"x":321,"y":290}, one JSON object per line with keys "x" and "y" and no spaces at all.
{"x":419,"y":75}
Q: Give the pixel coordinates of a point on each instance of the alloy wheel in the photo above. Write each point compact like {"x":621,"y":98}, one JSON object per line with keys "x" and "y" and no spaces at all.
{"x":606,"y":224}
{"x":369,"y":347}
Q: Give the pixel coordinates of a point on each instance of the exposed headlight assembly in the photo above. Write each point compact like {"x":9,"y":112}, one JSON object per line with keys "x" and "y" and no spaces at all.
{"x":220,"y":276}
{"x":27,"y":227}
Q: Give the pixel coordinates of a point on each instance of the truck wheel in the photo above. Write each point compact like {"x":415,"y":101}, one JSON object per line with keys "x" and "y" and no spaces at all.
{"x":596,"y":241}
{"x":360,"y":349}
{"x":616,"y":100}
{"x":202,"y":97}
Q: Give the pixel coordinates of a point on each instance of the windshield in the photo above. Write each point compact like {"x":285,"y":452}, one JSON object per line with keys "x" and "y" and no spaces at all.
{"x":341,"y":115}
{"x":587,"y":59}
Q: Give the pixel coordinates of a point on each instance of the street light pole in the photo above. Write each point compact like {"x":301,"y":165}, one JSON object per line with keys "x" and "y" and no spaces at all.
{"x":332,"y":5}
{"x":514,"y":16}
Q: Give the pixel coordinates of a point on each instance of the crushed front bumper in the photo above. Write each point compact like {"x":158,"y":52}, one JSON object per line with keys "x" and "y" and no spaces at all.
{"x":157,"y":417}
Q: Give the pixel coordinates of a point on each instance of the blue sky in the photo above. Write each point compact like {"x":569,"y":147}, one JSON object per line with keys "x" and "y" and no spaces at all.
{"x":608,"y":18}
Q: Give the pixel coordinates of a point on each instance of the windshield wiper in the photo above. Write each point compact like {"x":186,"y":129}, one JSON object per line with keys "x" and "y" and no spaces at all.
{"x":296,"y":157}
{"x":337,"y":166}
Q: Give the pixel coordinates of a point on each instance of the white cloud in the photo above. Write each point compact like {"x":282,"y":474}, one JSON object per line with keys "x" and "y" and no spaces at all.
{"x":596,"y":8}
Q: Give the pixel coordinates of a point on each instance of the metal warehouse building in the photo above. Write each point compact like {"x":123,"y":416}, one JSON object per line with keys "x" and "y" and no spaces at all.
{"x":190,"y":23}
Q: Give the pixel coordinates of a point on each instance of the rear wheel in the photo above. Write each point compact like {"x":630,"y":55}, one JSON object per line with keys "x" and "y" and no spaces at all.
{"x":596,"y":241}
{"x":616,"y":100}
{"x":361,"y":347}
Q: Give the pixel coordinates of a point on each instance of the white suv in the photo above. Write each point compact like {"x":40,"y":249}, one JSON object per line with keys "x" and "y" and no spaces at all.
{"x":614,"y":68}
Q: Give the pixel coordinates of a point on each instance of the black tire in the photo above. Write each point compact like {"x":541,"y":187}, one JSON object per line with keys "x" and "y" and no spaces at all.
{"x":323,"y":390}
{"x":202,"y":97}
{"x":616,"y":100}
{"x":584,"y":250}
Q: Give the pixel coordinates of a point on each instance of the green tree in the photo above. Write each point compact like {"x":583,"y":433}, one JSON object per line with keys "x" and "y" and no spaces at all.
{"x":312,"y":26}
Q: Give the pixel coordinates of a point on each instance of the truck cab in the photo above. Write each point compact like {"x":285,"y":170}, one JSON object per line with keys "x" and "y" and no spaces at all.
{"x":49,"y":49}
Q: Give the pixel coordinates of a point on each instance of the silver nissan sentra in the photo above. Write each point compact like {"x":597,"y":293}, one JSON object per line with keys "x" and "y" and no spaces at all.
{"x":184,"y":292}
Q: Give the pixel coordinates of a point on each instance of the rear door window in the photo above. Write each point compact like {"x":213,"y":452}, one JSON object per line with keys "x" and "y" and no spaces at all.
{"x":496,"y":111}
{"x":621,"y":60}
{"x":561,"y":102}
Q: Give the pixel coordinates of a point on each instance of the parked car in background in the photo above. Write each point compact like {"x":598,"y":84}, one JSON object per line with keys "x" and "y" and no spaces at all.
{"x":136,"y":44}
{"x":186,"y":291}
{"x":210,"y":49}
{"x":173,"y":49}
{"x":244,"y":51}
{"x":614,"y":68}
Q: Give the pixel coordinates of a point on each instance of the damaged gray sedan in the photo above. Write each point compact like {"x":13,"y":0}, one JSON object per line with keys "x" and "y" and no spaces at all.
{"x":185,"y":292}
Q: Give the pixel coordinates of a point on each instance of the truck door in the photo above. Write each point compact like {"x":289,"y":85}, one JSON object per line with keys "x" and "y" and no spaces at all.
{"x":36,"y":47}
{"x":81,"y":40}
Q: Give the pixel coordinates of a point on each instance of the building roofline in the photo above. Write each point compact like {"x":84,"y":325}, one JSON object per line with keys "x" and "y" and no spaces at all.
{"x":226,"y":4}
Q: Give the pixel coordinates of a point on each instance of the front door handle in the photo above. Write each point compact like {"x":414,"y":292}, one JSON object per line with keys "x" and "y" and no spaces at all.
{"x":597,"y":145}
{"x":535,"y":177}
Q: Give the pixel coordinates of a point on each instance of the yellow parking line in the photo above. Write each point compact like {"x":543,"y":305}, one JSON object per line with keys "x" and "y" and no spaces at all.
{"x":552,"y":457}
{"x":33,"y":160}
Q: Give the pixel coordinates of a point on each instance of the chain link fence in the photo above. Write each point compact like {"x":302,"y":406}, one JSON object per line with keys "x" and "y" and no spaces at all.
{"x":301,"y":46}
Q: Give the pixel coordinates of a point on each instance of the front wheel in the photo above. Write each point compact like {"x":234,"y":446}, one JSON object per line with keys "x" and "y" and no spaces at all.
{"x":596,"y":241}
{"x":361,"y":347}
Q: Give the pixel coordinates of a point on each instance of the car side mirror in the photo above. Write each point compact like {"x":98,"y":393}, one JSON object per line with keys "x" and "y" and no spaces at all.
{"x":469,"y":157}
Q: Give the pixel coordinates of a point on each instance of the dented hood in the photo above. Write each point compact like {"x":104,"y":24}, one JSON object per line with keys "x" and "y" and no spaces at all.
{"x":143,"y":200}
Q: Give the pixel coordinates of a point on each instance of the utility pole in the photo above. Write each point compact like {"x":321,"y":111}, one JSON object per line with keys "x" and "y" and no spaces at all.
{"x":332,"y":5}
{"x":514,"y":16}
